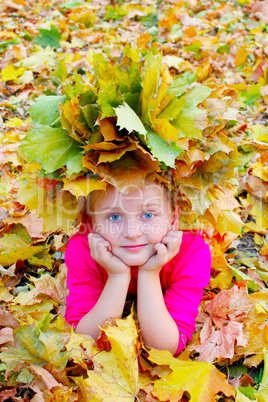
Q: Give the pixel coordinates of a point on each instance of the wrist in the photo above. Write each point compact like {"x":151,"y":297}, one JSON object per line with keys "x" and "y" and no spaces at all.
{"x":120,"y":277}
{"x":148,"y":274}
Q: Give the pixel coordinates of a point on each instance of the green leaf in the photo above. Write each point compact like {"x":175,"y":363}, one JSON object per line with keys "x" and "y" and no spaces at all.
{"x":46,"y":109}
{"x":128,"y":119}
{"x":264,"y":381}
{"x":14,"y":41}
{"x":115,"y":13}
{"x":248,"y":391}
{"x":162,"y":151}
{"x":180,"y":84}
{"x":224,"y":48}
{"x":197,"y":95}
{"x":71,"y":5}
{"x":61,"y":73}
{"x":173,"y":108}
{"x":48,"y":37}
{"x":240,"y":276}
{"x":35,"y":349}
{"x":150,"y":83}
{"x":91,"y":113}
{"x":195,"y":47}
{"x":44,"y":323}
{"x":25,"y":376}
{"x":190,"y":123}
{"x":53,"y":148}
{"x":108,"y":100}
{"x":250,"y":96}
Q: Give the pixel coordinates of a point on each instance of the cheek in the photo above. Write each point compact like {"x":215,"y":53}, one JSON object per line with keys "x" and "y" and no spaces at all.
{"x":156,"y":230}
{"x":109,"y":231}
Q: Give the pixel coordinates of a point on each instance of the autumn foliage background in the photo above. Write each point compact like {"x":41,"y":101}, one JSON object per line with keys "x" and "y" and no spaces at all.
{"x":48,"y":48}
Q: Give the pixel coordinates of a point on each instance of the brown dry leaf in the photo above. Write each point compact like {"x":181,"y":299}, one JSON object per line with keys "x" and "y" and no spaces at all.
{"x":33,"y":224}
{"x":43,"y":380}
{"x":7,"y":319}
{"x":216,"y":344}
{"x":6,"y":335}
{"x":46,"y":285}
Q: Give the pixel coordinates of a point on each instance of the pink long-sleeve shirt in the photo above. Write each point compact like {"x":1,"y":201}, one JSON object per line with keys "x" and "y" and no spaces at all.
{"x":183,"y":280}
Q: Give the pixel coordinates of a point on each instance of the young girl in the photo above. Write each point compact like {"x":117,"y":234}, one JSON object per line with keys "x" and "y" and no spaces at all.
{"x":131,"y":248}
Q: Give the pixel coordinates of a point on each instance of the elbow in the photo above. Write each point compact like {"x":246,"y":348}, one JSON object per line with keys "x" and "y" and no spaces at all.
{"x":169,"y":343}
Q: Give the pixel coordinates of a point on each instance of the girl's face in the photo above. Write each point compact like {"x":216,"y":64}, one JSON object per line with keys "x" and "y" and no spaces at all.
{"x":133,"y":222}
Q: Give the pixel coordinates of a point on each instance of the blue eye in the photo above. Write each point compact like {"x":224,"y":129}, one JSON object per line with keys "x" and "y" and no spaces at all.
{"x":115,"y":217}
{"x":148,"y":215}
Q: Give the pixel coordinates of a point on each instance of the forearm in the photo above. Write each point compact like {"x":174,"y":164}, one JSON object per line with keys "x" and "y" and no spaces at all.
{"x":110,"y":304}
{"x":158,"y":328}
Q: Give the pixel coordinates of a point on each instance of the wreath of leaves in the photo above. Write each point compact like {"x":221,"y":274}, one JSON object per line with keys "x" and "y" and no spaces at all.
{"x":134,"y":116}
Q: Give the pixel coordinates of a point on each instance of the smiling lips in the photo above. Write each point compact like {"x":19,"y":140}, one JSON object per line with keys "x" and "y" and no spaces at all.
{"x":135,"y":247}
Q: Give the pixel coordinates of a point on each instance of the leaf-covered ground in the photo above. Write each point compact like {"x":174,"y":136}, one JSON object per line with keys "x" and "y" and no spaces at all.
{"x":225,"y":44}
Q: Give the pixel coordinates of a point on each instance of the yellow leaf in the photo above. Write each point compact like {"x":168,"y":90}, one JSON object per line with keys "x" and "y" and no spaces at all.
{"x":262,"y":396}
{"x":166,"y":130}
{"x":8,"y":34}
{"x":29,"y":193}
{"x":241,"y":57}
{"x":116,"y":373}
{"x":62,"y":214}
{"x":11,"y":73}
{"x":229,"y":221}
{"x":201,"y":380}
{"x":258,"y":340}
{"x":220,"y":266}
{"x":69,"y":113}
{"x":59,"y":395}
{"x":80,"y":348}
{"x":259,"y":211}
{"x":260,"y":170}
{"x":13,"y":248}
{"x":32,"y":312}
{"x":52,"y":287}
{"x":82,"y":186}
{"x":203,"y":71}
{"x":241,"y":397}
{"x":17,"y":122}
{"x":5,"y":296}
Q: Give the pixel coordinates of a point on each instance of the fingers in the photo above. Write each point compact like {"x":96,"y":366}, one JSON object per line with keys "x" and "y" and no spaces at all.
{"x":172,"y":240}
{"x":99,"y":247}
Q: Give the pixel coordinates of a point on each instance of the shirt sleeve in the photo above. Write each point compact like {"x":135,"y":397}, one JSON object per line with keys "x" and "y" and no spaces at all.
{"x":85,"y":279}
{"x":189,"y":275}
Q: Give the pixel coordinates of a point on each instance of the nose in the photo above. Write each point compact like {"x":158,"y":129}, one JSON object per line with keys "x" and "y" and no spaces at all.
{"x":132,"y":228}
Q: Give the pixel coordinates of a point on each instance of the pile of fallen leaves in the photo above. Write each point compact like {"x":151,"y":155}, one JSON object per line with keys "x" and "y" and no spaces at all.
{"x":48,"y":51}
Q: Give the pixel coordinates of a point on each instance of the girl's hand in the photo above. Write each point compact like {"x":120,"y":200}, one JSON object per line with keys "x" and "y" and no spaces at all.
{"x":100,"y":250}
{"x":164,"y":252}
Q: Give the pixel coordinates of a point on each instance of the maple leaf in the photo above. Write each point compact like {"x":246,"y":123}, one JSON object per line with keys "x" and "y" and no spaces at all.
{"x":45,"y":110}
{"x":128,"y":119}
{"x":35,"y":349}
{"x":220,"y":343}
{"x":116,"y":373}
{"x":13,"y":248}
{"x":52,"y":148}
{"x":48,"y":37}
{"x":163,"y":151}
{"x":201,"y":380}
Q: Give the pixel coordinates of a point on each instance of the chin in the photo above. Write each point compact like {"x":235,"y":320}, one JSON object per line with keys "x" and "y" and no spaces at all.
{"x":135,"y":261}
